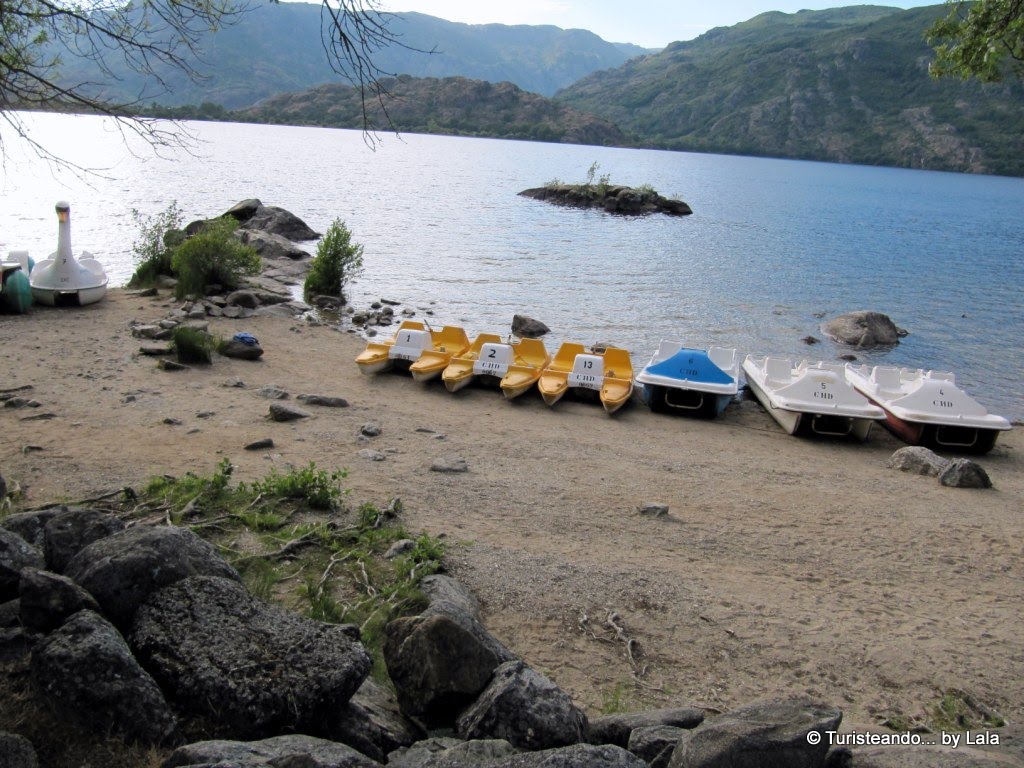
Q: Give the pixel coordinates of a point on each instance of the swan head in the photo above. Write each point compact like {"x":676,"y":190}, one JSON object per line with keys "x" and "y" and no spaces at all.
{"x":63,"y":210}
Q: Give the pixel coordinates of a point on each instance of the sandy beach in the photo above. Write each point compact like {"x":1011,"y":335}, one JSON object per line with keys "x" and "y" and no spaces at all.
{"x":785,"y":565}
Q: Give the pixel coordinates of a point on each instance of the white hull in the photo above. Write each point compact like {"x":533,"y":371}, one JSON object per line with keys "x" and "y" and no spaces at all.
{"x":810,"y":399}
{"x":77,"y":297}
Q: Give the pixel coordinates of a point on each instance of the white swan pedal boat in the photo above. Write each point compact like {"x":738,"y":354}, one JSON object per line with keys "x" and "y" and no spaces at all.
{"x":811,"y":398}
{"x":928,"y":408}
{"x":62,"y":280}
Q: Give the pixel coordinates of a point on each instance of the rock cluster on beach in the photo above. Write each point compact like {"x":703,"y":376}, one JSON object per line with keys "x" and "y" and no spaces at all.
{"x":141,"y":631}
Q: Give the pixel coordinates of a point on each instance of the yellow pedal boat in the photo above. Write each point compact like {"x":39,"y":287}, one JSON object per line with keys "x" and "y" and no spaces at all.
{"x":518,"y":365}
{"x":610,"y":373}
{"x":424,"y":350}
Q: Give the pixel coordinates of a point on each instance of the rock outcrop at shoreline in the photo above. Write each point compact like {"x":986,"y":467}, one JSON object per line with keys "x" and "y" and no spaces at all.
{"x":613,"y":198}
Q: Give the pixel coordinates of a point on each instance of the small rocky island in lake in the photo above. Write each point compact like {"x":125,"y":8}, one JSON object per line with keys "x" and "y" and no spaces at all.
{"x":613,"y":198}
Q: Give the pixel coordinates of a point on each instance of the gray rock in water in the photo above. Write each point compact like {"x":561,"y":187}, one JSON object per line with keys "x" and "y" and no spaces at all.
{"x":863,"y":329}
{"x":449,"y":464}
{"x":964,"y":473}
{"x":122,"y":570}
{"x":17,"y":752}
{"x":526,"y":709}
{"x":253,"y":670}
{"x":616,"y":729}
{"x":73,"y":529}
{"x":655,"y":744}
{"x":772,"y":733}
{"x":526,"y":327}
{"x":16,"y":554}
{"x":919,"y":460}
{"x":291,"y":751}
{"x":88,"y":675}
{"x":47,"y":599}
{"x":324,"y":401}
{"x":283,"y":412}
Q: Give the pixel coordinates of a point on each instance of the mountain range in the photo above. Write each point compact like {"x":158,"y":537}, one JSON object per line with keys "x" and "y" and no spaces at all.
{"x":843,"y":85}
{"x":277,"y":47}
{"x":847,"y":85}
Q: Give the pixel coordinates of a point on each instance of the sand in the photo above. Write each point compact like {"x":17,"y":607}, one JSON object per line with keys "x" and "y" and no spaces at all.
{"x":785,"y":566}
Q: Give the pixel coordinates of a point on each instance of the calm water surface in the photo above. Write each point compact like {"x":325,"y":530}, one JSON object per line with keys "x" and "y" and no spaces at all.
{"x":772,"y":244}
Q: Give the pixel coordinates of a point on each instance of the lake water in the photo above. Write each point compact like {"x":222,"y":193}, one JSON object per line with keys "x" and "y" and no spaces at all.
{"x":771,"y":245}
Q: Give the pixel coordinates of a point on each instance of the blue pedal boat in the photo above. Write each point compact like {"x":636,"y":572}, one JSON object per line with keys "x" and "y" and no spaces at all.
{"x":693,"y":382}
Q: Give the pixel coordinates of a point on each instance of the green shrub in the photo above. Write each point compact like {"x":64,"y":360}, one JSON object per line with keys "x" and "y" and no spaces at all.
{"x":210,"y":256}
{"x":337,"y":262}
{"x":157,"y":235}
{"x":192,"y":345}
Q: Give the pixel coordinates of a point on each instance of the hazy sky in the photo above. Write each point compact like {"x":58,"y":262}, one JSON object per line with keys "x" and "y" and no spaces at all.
{"x":650,"y":23}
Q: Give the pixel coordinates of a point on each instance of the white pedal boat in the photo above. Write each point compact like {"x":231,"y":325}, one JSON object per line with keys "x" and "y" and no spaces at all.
{"x":928,"y":408}
{"x":688,"y":381}
{"x":812,"y":398}
{"x":62,"y":280}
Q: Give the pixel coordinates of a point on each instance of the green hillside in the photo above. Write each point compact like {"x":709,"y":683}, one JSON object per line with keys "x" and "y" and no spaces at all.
{"x":455,"y":106}
{"x":846,"y":85}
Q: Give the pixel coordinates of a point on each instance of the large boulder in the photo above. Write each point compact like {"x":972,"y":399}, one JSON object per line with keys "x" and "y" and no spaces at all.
{"x":918,"y":460}
{"x":526,"y":709}
{"x":88,"y":675}
{"x":48,"y":599}
{"x":863,"y":329}
{"x":252,"y":670}
{"x":72,"y":529}
{"x":655,"y":744}
{"x":441,"y":660}
{"x":616,"y":729}
{"x":16,"y":554}
{"x":278,"y":221}
{"x":290,"y":751}
{"x":526,"y":327}
{"x":271,"y":246}
{"x":122,"y":570}
{"x":31,"y":526}
{"x":447,"y":752}
{"x":575,"y":756}
{"x":770,"y":734}
{"x":17,"y":752}
{"x":964,"y":473}
{"x":372,"y":723}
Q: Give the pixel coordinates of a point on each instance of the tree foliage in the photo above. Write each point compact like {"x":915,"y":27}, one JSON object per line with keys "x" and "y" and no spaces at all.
{"x":338,"y":261}
{"x":982,"y":39}
{"x":150,"y":38}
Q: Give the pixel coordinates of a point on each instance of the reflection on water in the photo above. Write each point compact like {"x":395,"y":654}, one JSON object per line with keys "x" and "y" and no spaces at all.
{"x":772,"y":243}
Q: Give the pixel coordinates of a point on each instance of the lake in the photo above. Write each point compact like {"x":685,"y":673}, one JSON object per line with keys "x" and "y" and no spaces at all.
{"x":772,"y":244}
